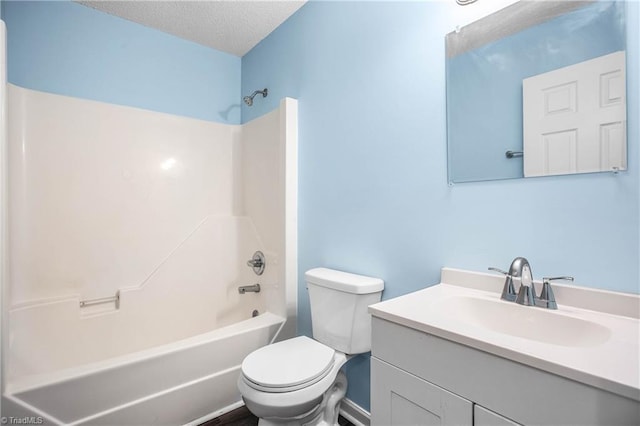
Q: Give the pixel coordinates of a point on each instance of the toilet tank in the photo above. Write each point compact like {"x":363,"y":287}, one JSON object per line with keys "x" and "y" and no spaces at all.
{"x":339,"y":302}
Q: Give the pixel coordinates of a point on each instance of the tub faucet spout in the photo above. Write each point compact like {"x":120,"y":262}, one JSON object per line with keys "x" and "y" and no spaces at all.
{"x":249,"y":288}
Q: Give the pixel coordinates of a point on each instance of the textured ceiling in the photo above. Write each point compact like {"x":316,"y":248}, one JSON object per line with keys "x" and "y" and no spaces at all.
{"x":232,"y":26}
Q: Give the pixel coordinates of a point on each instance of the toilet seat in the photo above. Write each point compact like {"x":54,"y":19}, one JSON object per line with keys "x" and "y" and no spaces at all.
{"x":288,"y":366}
{"x":267,"y":403}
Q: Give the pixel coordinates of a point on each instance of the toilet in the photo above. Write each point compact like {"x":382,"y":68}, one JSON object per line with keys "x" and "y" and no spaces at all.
{"x":298,"y":382}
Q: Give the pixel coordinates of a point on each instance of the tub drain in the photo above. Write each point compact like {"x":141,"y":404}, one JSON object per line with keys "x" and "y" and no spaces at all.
{"x":255,"y":313}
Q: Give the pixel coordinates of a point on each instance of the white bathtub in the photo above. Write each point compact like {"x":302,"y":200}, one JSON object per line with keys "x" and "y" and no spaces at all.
{"x":178,"y":383}
{"x":171,"y":242}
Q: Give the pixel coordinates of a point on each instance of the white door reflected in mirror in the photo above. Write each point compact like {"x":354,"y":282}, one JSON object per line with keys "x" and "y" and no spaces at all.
{"x":574,"y":118}
{"x":486,"y":63}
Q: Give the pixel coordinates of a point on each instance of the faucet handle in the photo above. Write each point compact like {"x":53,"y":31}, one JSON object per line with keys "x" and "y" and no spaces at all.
{"x":547,"y":299}
{"x":547,"y":292}
{"x":548,"y":279}
{"x":492,"y":268}
{"x":508,"y":291}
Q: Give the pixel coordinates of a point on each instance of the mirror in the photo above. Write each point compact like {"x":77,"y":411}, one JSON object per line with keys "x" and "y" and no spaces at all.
{"x":538,"y":88}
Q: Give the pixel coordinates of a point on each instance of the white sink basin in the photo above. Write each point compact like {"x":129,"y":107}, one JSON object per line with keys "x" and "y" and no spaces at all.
{"x":526,"y":322}
{"x":593,"y":337}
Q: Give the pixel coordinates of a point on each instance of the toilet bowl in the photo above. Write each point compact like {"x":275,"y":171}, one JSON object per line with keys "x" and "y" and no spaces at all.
{"x":298,"y":381}
{"x":310,"y":371}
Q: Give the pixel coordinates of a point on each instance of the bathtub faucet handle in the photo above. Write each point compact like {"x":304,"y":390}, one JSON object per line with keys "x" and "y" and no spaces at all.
{"x":257,"y":263}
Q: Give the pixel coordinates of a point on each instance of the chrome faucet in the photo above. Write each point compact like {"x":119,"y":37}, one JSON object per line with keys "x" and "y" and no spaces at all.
{"x":520,"y":270}
{"x":257,"y":263}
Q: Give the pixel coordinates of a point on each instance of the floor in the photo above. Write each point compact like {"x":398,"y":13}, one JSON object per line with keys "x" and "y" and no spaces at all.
{"x":243,"y":417}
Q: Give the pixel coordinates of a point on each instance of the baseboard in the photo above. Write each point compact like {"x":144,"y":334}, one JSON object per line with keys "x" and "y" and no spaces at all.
{"x":354,"y":413}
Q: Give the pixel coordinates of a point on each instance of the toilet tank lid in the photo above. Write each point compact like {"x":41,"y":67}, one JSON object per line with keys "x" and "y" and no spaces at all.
{"x":344,"y":281}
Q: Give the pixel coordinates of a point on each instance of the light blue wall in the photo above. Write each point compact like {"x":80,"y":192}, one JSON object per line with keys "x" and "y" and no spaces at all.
{"x":66,"y":48}
{"x":374,"y":197}
{"x":485,"y":103}
{"x":373,"y":193}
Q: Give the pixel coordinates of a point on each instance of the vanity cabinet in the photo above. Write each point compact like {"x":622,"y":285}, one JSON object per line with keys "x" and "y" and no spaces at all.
{"x":421,"y":379}
{"x":404,"y":399}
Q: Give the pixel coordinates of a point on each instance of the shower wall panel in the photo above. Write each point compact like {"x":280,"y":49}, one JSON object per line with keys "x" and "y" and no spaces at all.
{"x":102,"y":194}
{"x":263,"y":195}
{"x":106,"y":198}
{"x":269,"y":164}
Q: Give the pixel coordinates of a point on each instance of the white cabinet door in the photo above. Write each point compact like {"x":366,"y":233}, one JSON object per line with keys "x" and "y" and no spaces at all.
{"x":574,"y":118}
{"x":402,"y":399}
{"x":484,"y":417}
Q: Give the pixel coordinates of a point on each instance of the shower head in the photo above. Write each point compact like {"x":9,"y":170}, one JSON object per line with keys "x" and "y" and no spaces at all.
{"x":249,"y":99}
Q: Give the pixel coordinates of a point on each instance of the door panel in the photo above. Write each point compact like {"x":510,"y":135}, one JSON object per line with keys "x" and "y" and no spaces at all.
{"x":575,"y":118}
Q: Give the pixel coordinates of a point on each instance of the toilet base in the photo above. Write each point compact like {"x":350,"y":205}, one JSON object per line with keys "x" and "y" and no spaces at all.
{"x":324,"y":414}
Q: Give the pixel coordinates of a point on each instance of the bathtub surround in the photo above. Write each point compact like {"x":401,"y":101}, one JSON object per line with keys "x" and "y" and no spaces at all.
{"x":104,"y":177}
{"x":163,"y":211}
{"x":132,"y":176}
{"x":269,"y":164}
